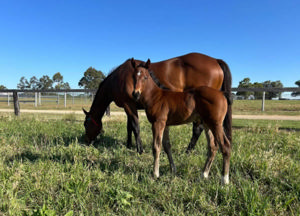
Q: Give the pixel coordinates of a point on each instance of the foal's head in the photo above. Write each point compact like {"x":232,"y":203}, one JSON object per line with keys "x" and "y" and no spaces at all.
{"x":92,"y":128}
{"x":140,"y":77}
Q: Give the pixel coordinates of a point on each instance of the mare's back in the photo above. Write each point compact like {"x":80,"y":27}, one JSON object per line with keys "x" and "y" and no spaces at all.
{"x":189,"y":71}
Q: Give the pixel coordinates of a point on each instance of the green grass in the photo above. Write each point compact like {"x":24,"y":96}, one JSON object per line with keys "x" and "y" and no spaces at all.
{"x":46,"y":169}
{"x":272,"y":107}
{"x":272,"y":124}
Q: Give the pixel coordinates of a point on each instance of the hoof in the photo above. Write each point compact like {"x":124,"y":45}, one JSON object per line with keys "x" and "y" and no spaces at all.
{"x":205,"y":175}
{"x":225,"y":180}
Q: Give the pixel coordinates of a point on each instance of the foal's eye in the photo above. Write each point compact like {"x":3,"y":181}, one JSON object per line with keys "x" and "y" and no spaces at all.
{"x":145,"y":77}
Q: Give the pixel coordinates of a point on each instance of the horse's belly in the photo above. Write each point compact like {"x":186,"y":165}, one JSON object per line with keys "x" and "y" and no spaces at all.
{"x":179,"y":120}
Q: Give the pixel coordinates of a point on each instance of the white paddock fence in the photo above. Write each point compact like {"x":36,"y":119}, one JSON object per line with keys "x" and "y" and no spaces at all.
{"x":85,"y":96}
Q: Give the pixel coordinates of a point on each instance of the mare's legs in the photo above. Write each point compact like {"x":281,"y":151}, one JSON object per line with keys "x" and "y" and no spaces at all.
{"x":157,"y":130}
{"x":167,"y":149}
{"x":129,"y":131}
{"x":197,"y":130}
{"x":222,"y":140}
{"x":133,"y":126}
{"x":211,"y":153}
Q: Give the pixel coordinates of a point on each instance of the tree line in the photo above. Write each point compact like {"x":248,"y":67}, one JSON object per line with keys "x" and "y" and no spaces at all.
{"x":92,"y":78}
{"x":43,"y":83}
{"x":246,"y":83}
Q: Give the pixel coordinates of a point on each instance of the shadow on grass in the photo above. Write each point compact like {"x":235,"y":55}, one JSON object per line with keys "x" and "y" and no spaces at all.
{"x":107,"y":142}
{"x":22,"y":157}
{"x":69,"y":155}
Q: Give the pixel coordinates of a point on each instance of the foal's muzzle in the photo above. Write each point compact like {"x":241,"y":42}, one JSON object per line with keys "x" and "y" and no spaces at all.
{"x":136,"y":95}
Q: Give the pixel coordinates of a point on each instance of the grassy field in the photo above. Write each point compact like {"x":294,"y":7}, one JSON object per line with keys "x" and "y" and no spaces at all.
{"x":272,"y":107}
{"x":46,"y":169}
{"x":279,"y":107}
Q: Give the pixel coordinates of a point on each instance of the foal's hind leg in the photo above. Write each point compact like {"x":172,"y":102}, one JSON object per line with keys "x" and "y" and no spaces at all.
{"x":212,"y":150}
{"x":167,"y":149}
{"x":226,"y":150}
{"x":197,"y":130}
{"x":221,"y":139}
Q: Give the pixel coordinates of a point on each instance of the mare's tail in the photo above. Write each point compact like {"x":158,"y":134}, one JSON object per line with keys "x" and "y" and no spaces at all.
{"x":226,"y":88}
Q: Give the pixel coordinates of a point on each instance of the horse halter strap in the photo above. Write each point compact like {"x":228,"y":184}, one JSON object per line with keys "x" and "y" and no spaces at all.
{"x":94,"y":122}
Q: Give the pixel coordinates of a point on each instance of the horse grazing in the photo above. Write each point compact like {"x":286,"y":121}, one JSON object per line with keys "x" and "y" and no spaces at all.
{"x":165,"y":108}
{"x":177,"y":74}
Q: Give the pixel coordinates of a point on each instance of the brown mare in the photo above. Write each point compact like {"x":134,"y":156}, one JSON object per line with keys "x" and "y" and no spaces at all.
{"x":177,"y":74}
{"x":165,"y":108}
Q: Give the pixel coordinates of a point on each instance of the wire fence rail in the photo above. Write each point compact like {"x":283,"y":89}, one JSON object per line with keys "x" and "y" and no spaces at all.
{"x":85,"y":96}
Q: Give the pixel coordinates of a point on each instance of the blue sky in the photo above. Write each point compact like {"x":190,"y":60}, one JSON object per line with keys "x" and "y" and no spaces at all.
{"x":259,"y":39}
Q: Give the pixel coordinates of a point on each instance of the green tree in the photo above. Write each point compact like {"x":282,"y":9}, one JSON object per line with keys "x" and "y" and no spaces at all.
{"x":57,"y":80}
{"x":91,"y":79}
{"x":296,"y":93}
{"x":272,"y":84}
{"x":2,"y":87}
{"x":245,"y":83}
{"x":64,"y":85}
{"x":23,"y":84}
{"x":257,"y":95}
{"x":45,"y":82}
{"x":34,"y":83}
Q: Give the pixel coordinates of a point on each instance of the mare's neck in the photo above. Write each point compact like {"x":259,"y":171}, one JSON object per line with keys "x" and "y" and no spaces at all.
{"x":101,"y":101}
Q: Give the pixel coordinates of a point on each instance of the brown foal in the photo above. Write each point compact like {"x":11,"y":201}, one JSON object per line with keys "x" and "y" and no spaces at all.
{"x":164,"y":108}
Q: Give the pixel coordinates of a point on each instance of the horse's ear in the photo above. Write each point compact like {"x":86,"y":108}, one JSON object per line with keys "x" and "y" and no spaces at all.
{"x":147,"y":65}
{"x":85,"y":112}
{"x":133,"y":62}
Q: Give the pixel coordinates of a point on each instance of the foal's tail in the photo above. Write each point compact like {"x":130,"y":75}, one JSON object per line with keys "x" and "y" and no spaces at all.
{"x":226,"y":88}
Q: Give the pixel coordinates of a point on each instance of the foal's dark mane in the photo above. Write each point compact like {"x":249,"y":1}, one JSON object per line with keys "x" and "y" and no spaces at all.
{"x":154,"y":78}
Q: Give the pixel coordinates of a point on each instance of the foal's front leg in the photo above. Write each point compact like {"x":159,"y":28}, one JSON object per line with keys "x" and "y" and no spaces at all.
{"x":157,"y":130}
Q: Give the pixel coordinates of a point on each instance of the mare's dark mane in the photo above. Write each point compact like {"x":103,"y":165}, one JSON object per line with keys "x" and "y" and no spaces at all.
{"x":120,"y":68}
{"x":123,"y":67}
{"x":101,"y":88}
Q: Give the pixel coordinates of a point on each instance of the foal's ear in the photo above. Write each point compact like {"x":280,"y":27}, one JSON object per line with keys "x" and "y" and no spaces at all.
{"x":133,"y":62}
{"x":85,"y":112}
{"x":147,"y":65}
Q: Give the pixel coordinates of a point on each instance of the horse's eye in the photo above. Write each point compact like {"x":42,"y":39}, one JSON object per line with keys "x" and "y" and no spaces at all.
{"x":145,"y":77}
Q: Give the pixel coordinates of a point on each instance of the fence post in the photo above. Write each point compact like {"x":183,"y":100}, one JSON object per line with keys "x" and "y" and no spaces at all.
{"x":40,"y":98}
{"x":263,"y":102}
{"x":35,"y":99}
{"x":16,"y":103}
{"x":7,"y":98}
{"x":65,"y":99}
{"x":57,"y":101}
